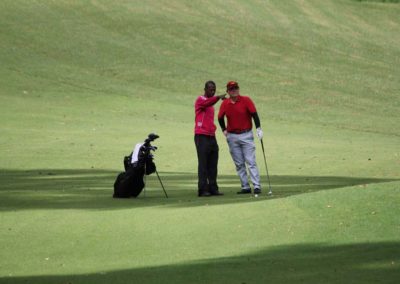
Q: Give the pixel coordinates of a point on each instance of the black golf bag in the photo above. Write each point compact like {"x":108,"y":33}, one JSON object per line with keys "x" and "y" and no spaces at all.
{"x":137,"y":164}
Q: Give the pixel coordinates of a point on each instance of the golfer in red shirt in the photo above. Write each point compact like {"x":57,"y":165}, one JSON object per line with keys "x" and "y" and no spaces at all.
{"x":206,"y":144}
{"x":239,"y":111}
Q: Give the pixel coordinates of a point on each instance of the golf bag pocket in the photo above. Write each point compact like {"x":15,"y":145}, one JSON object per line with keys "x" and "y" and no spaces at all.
{"x":129,"y":183}
{"x":150,"y":167}
{"x":120,"y":191}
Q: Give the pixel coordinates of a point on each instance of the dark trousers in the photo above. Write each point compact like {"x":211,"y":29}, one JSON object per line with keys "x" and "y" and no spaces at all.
{"x":207,"y":155}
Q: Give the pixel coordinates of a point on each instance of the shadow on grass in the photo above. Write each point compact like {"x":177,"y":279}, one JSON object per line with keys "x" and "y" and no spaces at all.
{"x":92,"y":189}
{"x":308,"y":263}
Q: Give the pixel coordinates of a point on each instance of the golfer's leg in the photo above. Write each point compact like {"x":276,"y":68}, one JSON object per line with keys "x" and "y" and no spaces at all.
{"x":201,"y":147}
{"x":249,"y":150}
{"x":213,"y":165}
{"x":235,"y":149}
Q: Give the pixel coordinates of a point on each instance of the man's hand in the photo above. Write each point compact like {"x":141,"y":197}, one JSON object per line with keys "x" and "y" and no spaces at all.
{"x":225,"y":133}
{"x":260,"y":133}
{"x":222,"y":97}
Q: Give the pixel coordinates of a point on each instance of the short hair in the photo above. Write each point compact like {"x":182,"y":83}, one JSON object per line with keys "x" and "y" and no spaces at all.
{"x":209,"y":83}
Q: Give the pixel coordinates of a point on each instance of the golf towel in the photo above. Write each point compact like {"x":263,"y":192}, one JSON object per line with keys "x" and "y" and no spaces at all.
{"x":135,"y":154}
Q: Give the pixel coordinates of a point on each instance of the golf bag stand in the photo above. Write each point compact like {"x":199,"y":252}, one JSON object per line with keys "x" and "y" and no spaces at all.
{"x":162,"y":186}
{"x":137,"y":165}
{"x":159,"y":179}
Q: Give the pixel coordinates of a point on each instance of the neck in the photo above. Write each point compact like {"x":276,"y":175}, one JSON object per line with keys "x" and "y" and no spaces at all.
{"x":234,"y":99}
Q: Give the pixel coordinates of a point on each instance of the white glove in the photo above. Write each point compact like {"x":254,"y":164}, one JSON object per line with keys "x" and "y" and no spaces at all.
{"x":260,"y":133}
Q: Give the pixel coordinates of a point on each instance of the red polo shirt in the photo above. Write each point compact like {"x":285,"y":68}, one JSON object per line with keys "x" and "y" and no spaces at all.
{"x":204,"y":119}
{"x":237,"y":113}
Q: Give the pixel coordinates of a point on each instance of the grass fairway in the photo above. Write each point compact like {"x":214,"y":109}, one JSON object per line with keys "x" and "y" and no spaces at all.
{"x":83,"y":81}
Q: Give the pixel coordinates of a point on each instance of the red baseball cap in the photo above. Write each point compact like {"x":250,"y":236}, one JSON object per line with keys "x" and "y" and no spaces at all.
{"x":232,"y":85}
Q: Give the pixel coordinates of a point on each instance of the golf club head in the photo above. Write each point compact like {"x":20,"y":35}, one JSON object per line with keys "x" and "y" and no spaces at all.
{"x":152,"y":136}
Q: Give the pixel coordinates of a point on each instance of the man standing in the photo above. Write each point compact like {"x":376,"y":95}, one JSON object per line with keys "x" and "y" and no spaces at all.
{"x":206,"y":144}
{"x":239,"y":111}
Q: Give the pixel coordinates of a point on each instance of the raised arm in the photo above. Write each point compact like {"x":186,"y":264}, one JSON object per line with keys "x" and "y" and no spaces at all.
{"x":204,"y":102}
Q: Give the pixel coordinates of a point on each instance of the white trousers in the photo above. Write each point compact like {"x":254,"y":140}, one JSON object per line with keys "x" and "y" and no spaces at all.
{"x":243,"y":151}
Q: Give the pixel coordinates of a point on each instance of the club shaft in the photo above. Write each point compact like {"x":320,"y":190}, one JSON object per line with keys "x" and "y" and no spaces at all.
{"x":266,"y":167}
{"x":161,"y":184}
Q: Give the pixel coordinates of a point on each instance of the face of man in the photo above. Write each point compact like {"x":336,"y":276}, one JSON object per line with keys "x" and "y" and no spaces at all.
{"x":234,"y":92}
{"x":209,"y":90}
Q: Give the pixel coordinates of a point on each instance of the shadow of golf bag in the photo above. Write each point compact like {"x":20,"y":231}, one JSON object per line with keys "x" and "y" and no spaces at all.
{"x":139,"y":163}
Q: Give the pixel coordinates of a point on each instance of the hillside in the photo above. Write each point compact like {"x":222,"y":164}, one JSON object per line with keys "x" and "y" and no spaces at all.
{"x":82,"y":81}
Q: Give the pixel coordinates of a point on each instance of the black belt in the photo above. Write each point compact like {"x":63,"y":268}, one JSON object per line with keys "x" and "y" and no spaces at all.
{"x":239,"y":131}
{"x":205,"y":135}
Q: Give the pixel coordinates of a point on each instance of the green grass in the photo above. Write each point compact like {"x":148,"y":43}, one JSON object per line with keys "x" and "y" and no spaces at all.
{"x":83,"y":81}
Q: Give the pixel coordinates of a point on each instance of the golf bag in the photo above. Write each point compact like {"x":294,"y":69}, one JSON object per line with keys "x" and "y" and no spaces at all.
{"x":137,"y":164}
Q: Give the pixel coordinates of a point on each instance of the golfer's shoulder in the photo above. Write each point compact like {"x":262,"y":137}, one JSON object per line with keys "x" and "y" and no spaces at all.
{"x":246,"y":98}
{"x":199,"y":99}
{"x":224,"y":103}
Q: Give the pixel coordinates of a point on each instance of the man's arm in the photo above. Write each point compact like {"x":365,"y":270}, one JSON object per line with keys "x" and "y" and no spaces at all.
{"x":221,"y":118}
{"x":203,"y":102}
{"x":256,"y":119}
{"x":221,"y":121}
{"x":259,"y":131}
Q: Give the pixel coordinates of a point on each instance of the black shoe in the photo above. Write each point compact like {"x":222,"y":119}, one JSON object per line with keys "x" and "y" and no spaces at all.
{"x":216,"y":193}
{"x":244,"y":191}
{"x":204,"y":194}
{"x":257,"y":191}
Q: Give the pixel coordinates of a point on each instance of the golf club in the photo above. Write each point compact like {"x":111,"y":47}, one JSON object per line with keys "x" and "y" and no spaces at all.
{"x":266,"y":167}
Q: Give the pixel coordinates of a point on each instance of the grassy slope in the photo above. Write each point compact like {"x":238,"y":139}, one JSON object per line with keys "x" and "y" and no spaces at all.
{"x":323,"y":65}
{"x":78,"y":75}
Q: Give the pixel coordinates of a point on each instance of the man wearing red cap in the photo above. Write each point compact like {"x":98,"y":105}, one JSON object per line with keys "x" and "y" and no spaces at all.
{"x":206,"y":144}
{"x":239,"y":111}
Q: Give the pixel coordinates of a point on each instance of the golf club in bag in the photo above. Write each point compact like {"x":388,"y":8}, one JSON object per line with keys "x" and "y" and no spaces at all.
{"x":137,"y":165}
{"x":266,"y":167}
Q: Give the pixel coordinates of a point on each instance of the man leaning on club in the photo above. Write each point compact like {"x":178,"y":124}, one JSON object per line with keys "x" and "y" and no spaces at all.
{"x":239,"y":111}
